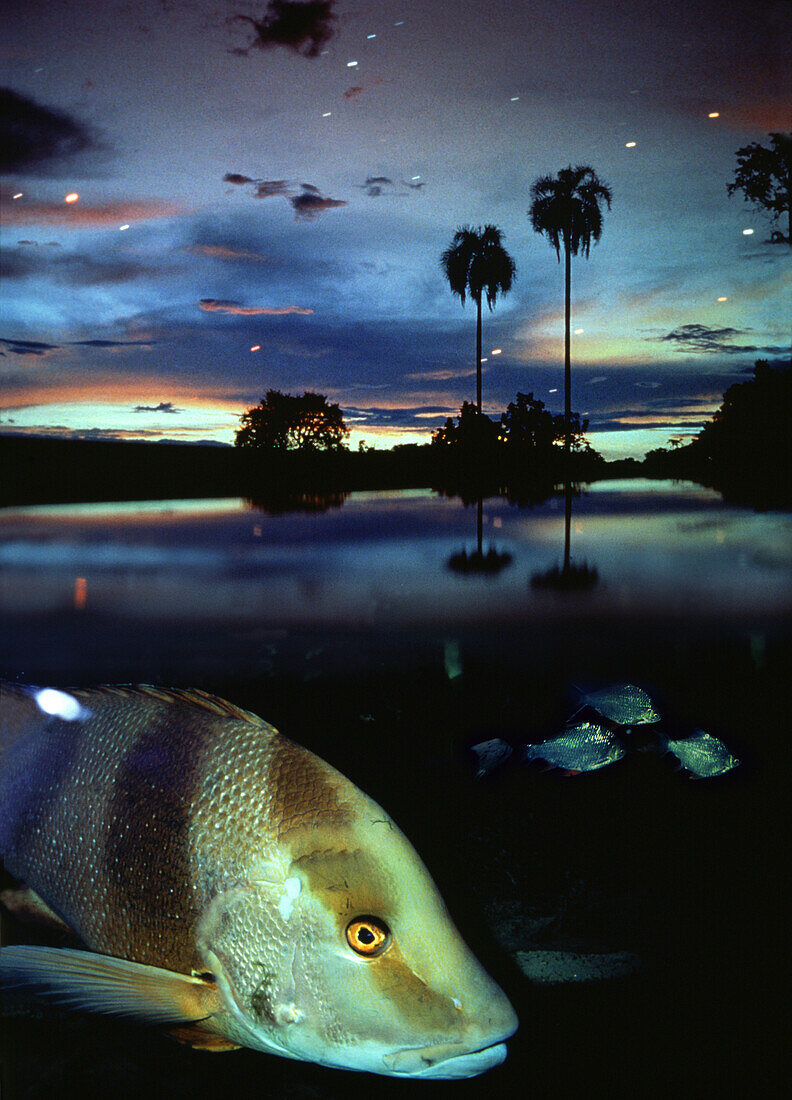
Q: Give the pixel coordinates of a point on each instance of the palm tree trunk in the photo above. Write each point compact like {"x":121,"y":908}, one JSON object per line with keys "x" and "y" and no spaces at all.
{"x":567,"y":357}
{"x":478,"y":355}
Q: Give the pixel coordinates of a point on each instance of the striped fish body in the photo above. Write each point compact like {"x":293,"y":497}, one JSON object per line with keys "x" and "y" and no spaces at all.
{"x":173,"y":829}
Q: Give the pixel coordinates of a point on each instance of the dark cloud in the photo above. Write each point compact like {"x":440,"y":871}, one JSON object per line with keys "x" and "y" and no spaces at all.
{"x":310,"y":203}
{"x":265,"y":189}
{"x":303,"y":27}
{"x":707,"y":338}
{"x":163,"y":407}
{"x":374,"y":185}
{"x":353,"y":92}
{"x":34,"y":137}
{"x":32,"y":261}
{"x":28,"y":347}
{"x":234,"y":177}
{"x":113,"y":343}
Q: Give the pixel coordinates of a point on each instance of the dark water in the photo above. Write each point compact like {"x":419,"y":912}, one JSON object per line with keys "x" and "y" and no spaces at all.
{"x":347,"y":629}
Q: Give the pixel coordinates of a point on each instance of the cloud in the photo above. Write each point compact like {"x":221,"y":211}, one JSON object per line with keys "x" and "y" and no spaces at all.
{"x":310,"y":203}
{"x":28,"y":347}
{"x":113,"y":343}
{"x":163,"y":407}
{"x":235,"y":177}
{"x":77,"y":270}
{"x":33,"y":137}
{"x":442,"y":375}
{"x":223,"y":252}
{"x":265,"y":189}
{"x":219,"y":305}
{"x":374,"y":185}
{"x":353,"y":92}
{"x":706,"y":338}
{"x":306,"y":203}
{"x":81,"y":215}
{"x":304,"y":28}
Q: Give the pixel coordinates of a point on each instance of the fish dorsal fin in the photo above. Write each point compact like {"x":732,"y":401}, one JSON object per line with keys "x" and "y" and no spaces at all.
{"x":98,"y":983}
{"x":193,"y":697}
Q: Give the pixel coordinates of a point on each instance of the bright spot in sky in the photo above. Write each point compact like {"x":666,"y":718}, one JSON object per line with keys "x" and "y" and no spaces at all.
{"x":256,"y":347}
{"x":723,"y":299}
{"x":371,"y":36}
{"x":747,"y":232}
{"x":496,"y":351}
{"x":578,"y":331}
{"x":327,"y":114}
{"x":71,"y":197}
{"x":514,"y":98}
{"x":351,"y":64}
{"x":629,"y":145}
{"x":554,"y":390}
{"x":19,"y":194}
{"x":125,"y":226}
{"x":714,"y":114}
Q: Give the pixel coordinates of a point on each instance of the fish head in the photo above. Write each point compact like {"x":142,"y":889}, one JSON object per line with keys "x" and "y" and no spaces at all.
{"x":346,"y":955}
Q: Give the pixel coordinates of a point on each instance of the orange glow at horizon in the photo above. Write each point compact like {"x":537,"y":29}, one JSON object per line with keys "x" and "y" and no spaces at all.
{"x":71,"y":197}
{"x":80,"y":593}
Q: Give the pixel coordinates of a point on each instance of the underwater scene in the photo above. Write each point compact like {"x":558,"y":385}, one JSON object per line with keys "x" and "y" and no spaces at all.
{"x":576,"y":711}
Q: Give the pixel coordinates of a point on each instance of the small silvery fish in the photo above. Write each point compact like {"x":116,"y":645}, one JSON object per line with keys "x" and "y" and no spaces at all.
{"x":584,"y":747}
{"x":624,"y":704}
{"x":701,"y":754}
{"x":231,"y":885}
{"x":490,"y":755}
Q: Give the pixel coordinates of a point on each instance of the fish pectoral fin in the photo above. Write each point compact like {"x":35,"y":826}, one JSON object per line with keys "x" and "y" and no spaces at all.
{"x":25,"y":904}
{"x":91,"y":982}
{"x":193,"y":1035}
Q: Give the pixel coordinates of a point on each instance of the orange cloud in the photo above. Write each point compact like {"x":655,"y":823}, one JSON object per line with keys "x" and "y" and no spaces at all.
{"x":220,"y":252}
{"x":81,"y":215}
{"x":218,"y":305}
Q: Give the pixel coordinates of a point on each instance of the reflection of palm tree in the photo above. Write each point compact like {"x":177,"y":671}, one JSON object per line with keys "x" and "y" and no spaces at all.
{"x":478,"y":562}
{"x":569,"y":577}
{"x":476,"y":263}
{"x":566,"y":208}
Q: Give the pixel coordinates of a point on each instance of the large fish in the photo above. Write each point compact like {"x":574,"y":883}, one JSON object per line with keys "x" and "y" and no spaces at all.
{"x":232,"y":885}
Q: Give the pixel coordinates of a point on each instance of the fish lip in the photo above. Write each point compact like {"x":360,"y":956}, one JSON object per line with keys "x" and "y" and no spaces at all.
{"x":443,"y":1059}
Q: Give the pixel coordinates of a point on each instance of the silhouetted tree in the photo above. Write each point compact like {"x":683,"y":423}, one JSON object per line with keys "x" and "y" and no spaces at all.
{"x":473,"y":432}
{"x":765,"y":177}
{"x":283,"y":422}
{"x":476,"y":263}
{"x":566,"y":209}
{"x":750,"y":432}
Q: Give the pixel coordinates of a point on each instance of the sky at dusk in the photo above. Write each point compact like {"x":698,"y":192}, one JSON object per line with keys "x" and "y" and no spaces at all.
{"x":259,"y":210}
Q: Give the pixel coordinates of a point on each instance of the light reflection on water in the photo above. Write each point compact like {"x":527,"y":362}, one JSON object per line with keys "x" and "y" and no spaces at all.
{"x":383,"y":557}
{"x":379,"y":561}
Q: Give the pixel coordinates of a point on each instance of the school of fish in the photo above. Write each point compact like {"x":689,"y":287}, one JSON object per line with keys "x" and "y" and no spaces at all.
{"x":229,"y":884}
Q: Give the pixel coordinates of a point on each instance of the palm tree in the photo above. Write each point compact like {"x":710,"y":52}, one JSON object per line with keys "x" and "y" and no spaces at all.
{"x":476,"y":263}
{"x":566,"y":208}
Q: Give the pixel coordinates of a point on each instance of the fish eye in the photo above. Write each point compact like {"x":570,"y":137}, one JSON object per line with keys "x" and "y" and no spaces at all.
{"x":368,"y":936}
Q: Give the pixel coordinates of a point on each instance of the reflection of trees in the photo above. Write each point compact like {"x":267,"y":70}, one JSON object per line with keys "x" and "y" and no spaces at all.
{"x":477,"y":562}
{"x":277,"y":501}
{"x":570,"y":577}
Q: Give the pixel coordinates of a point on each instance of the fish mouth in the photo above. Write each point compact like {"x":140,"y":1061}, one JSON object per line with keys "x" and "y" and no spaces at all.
{"x":447,"y":1061}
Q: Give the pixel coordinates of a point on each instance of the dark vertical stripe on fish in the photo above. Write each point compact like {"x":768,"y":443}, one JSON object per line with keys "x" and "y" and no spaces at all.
{"x":146,"y":858}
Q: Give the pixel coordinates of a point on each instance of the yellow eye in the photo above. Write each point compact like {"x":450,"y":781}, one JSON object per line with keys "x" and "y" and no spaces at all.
{"x":368,"y":936}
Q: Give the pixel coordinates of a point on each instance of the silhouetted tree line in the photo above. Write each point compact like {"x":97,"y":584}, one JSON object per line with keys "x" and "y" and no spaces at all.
{"x":745,"y":451}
